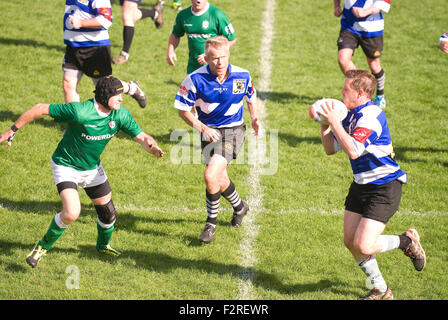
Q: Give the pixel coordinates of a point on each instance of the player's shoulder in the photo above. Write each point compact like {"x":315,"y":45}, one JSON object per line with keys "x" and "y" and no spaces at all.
{"x":238,"y":70}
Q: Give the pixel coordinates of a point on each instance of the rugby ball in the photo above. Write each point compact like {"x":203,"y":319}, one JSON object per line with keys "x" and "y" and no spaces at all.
{"x":316,"y":109}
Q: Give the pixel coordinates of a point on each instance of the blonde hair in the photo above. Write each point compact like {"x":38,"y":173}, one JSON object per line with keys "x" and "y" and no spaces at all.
{"x":216,"y":42}
{"x":362,"y":80}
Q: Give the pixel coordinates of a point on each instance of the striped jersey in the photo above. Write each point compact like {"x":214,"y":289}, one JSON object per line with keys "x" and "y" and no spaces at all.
{"x":367,"y":125}
{"x":218,"y":104}
{"x":87,"y":9}
{"x":444,"y":37}
{"x":370,"y":26}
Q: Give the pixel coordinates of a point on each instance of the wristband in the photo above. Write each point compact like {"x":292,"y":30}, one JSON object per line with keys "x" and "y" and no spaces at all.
{"x":14,"y":128}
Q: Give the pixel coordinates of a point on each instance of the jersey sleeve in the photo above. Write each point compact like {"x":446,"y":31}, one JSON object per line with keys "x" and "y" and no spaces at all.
{"x":225,"y":27}
{"x":384,"y":5}
{"x":178,"y":27}
{"x":251,"y":93}
{"x":367,"y":131}
{"x":186,"y":95}
{"x":444,"y":37}
{"x":104,"y":16}
{"x":63,"y":112}
{"x":128,"y":124}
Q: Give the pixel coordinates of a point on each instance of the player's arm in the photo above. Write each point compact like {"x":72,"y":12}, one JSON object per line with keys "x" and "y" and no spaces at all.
{"x":344,"y":140}
{"x":102,"y":20}
{"x":149,"y":144}
{"x":327,"y":139}
{"x":337,"y":8}
{"x":256,"y":125}
{"x":173,"y":43}
{"x":28,"y":116}
{"x":208,"y":133}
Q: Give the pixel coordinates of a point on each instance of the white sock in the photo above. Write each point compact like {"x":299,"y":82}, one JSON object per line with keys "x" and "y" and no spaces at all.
{"x":370,"y":268}
{"x":389,"y":242}
{"x":59,"y":222}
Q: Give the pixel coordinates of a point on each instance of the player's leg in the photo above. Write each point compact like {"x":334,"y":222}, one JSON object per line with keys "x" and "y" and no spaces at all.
{"x":71,"y":208}
{"x":373,"y":49}
{"x":131,"y":13}
{"x":99,"y":191}
{"x":347,"y":43}
{"x":71,"y":75}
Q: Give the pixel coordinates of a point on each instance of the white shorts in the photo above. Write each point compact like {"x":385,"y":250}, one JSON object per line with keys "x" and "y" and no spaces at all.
{"x":83,"y":179}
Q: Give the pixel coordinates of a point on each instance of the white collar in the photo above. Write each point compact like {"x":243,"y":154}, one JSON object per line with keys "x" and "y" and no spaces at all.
{"x":101,"y":113}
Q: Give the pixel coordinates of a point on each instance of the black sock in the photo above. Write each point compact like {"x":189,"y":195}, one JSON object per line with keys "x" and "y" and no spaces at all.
{"x":147,"y":13}
{"x":128,"y":35}
{"x":212,"y":202}
{"x":233,"y":197}
{"x":405,"y":241}
{"x":381,"y":80}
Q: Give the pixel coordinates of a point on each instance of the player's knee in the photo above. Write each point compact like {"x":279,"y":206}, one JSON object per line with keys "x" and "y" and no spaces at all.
{"x":69,"y":215}
{"x":363,"y":247}
{"x":106,"y":214}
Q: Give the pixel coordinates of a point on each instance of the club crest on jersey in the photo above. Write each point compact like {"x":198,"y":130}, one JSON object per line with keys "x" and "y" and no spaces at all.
{"x":238,"y":86}
{"x":205,"y":24}
{"x":183,"y":91}
{"x":112,"y":124}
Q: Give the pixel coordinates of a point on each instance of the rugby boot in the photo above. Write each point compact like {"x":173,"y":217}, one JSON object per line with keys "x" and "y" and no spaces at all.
{"x":380,"y":101}
{"x":376,"y":294}
{"x":237,"y":218}
{"x":158,"y":7}
{"x":35,"y":255}
{"x":109,"y":251}
{"x":414,"y":250}
{"x":122,"y":58}
{"x":137,"y":94}
{"x":208,"y":233}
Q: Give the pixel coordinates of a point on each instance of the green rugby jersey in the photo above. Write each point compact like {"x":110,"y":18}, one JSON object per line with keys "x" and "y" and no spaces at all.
{"x":211,"y":23}
{"x":88,"y":132}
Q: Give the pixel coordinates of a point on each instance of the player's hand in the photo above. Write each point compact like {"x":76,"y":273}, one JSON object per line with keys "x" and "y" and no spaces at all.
{"x":157,"y":151}
{"x":7,"y":135}
{"x":360,"y":12}
{"x":201,"y":59}
{"x":171,"y":58}
{"x":337,"y":11}
{"x":329,"y":113}
{"x":256,"y":125}
{"x":211,"y":135}
{"x":75,"y":22}
{"x":444,"y":46}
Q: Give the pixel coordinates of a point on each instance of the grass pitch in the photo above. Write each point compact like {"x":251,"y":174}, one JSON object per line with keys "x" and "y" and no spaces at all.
{"x":161,"y":207}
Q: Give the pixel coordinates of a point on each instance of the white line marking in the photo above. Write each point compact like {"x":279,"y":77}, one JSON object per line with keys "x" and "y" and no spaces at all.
{"x":255,"y":200}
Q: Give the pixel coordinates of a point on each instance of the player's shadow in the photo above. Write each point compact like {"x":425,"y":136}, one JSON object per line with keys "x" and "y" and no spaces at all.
{"x":411,"y":154}
{"x":163,"y":263}
{"x":30,"y":43}
{"x":293,"y":140}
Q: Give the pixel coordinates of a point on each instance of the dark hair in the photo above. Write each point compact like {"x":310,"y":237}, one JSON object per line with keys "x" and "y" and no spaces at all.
{"x":362,"y":80}
{"x":107,"y":87}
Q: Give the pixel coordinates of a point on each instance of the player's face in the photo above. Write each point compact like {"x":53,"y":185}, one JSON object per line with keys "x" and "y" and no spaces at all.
{"x":115,"y":102}
{"x":349,"y":95}
{"x":218,"y":60}
{"x":198,"y":5}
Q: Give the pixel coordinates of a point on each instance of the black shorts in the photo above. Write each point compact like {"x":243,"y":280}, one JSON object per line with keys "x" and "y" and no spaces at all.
{"x":376,"y":202}
{"x":372,"y":47}
{"x":93,"y":61}
{"x":228,"y":146}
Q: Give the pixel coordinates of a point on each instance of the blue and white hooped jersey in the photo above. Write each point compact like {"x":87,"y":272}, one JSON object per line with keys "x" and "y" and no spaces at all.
{"x":218,"y":104}
{"x":370,"y":26}
{"x":444,"y":37}
{"x":367,"y":125}
{"x":87,"y":9}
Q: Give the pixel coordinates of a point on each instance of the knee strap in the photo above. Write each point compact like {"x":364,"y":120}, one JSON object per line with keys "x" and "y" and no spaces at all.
{"x":106,"y":214}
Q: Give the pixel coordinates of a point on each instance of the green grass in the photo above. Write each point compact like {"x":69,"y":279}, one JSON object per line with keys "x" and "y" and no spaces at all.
{"x":161,"y":206}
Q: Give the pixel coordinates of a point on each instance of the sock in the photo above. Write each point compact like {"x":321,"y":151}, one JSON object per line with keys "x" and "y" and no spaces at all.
{"x":212,"y":201}
{"x":128,"y":35}
{"x":104,"y":235}
{"x":370,"y":268}
{"x":233,"y":197}
{"x":389,"y":242}
{"x":381,"y":80}
{"x":55,"y":230}
{"x":148,"y":13}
